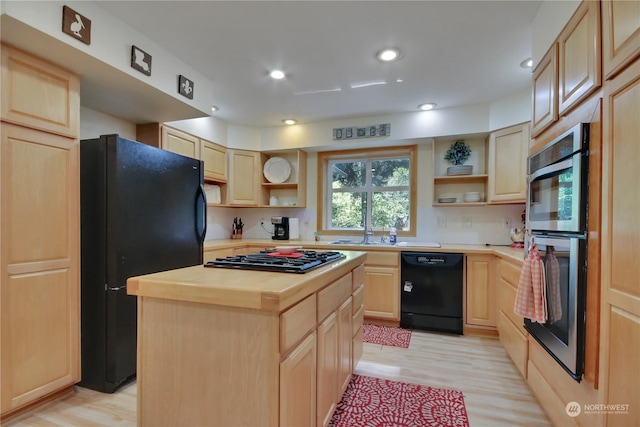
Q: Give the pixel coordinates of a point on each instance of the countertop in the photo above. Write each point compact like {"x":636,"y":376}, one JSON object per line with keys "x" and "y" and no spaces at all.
{"x":504,"y":252}
{"x":262,"y":290}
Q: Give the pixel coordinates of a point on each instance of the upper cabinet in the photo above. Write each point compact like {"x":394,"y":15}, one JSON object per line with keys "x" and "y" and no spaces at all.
{"x":38,"y":95}
{"x":507,"y":159}
{"x":244,"y":175}
{"x":292,"y":191}
{"x":448,"y":190}
{"x":620,"y":35}
{"x":579,"y":56}
{"x":545,"y":88}
{"x":213,"y":155}
{"x":570,"y":70}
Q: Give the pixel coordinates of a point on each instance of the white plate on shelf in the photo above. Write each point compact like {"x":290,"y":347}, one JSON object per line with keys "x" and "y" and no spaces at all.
{"x":447,"y":200}
{"x":277,"y":170}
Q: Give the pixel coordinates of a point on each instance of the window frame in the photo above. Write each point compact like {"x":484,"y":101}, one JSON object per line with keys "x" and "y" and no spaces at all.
{"x":323,"y":213}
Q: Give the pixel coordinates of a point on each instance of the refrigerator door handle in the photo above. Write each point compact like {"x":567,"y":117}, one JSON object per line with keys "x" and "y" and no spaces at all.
{"x":201,"y":196}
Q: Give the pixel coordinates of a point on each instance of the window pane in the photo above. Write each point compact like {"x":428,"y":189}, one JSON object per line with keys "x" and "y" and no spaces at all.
{"x":390,"y":209}
{"x":390,"y":172}
{"x":348,"y":210}
{"x":348,"y":174}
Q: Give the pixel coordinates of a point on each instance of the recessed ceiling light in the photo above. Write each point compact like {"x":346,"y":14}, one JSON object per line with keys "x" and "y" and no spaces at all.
{"x":289,"y":122}
{"x":527,"y":63}
{"x":277,"y":74}
{"x":214,"y":108}
{"x":427,"y":107}
{"x":389,"y":54}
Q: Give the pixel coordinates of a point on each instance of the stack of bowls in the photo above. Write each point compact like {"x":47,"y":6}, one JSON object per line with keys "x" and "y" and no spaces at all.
{"x":471,"y":197}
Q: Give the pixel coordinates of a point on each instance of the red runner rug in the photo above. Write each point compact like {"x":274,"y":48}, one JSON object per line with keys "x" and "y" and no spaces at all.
{"x":374,"y":402}
{"x":386,"y":335}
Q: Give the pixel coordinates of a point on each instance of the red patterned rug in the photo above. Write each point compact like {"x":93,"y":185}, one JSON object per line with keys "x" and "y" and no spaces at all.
{"x":374,"y":402}
{"x":386,"y":335}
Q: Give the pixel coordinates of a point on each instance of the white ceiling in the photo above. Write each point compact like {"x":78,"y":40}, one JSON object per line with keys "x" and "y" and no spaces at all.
{"x":454,"y":53}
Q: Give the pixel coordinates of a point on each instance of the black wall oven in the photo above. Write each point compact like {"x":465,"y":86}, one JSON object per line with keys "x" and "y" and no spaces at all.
{"x":557,"y":197}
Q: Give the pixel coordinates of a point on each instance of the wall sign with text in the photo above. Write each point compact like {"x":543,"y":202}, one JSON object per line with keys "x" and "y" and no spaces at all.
{"x":370,"y":131}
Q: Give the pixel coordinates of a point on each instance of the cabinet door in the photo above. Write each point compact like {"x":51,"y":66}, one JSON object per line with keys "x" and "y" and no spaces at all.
{"x":40,"y":285}
{"x":481,"y":296}
{"x":328,"y":362}
{"x":244,"y":169}
{"x":508,"y":149}
{"x":345,"y":334}
{"x":620,"y":321}
{"x":382,"y":293}
{"x":298,"y":385}
{"x":579,"y":56}
{"x":27,"y":82}
{"x":545,"y":90}
{"x":180,"y":142}
{"x":620,"y":35}
{"x":214,"y":157}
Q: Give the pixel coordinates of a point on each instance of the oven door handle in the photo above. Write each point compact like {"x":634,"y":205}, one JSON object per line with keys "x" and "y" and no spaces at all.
{"x":549,"y":170}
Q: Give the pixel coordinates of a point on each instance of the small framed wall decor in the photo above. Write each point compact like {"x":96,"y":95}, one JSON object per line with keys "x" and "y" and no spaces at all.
{"x":76,"y":25}
{"x":185,"y":87}
{"x":140,"y":60}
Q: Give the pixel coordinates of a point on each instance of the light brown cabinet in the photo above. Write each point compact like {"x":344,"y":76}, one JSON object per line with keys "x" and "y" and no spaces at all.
{"x":481,"y":293}
{"x":27,"y":82}
{"x":244,"y":178}
{"x":545,"y":91}
{"x":40,"y":238}
{"x":291,"y":192}
{"x":345,"y":337}
{"x":620,"y":35}
{"x":570,"y":71}
{"x":328,"y":362}
{"x":579,"y":57}
{"x":382,"y":286}
{"x":620,"y":292}
{"x":511,"y":326}
{"x":214,"y":156}
{"x":454,"y":186}
{"x":298,"y":385}
{"x":508,"y":150}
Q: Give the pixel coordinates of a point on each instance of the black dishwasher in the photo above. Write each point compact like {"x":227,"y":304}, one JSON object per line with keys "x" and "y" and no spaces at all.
{"x":431,"y":291}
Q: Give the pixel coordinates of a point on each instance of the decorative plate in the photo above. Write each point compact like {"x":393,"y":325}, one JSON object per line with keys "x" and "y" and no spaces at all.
{"x":277,"y":170}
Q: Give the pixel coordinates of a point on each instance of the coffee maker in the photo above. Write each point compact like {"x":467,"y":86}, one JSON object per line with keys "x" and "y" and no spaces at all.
{"x":280,"y":227}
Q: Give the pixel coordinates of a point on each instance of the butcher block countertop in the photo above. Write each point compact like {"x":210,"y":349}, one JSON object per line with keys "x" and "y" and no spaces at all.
{"x":262,"y":290}
{"x":504,"y":252}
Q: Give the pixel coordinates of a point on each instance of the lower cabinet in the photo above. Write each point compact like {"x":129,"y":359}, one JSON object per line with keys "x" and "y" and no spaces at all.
{"x":328,"y":362}
{"x":345,"y":336}
{"x":481,"y":294}
{"x":298,"y":385}
{"x":511,"y":326}
{"x":382,"y":286}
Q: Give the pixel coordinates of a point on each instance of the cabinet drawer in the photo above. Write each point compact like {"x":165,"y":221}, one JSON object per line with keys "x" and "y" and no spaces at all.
{"x":509,"y":272}
{"x":331,"y":297}
{"x":296,"y":322}
{"x":358,"y":319}
{"x":358,"y":298}
{"x":383,"y":258}
{"x":514,"y":342}
{"x":358,"y":277}
{"x":506,"y":300}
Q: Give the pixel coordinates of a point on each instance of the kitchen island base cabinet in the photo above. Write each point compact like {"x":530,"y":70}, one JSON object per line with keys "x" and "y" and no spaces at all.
{"x":182,"y":369}
{"x":298,"y":385}
{"x":221,"y":347}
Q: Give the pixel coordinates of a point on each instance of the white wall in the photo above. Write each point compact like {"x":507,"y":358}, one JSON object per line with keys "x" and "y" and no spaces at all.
{"x":549,"y":21}
{"x":94,"y":123}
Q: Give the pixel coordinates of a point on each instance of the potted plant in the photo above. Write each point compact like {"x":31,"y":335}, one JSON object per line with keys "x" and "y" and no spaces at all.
{"x":457,"y":154}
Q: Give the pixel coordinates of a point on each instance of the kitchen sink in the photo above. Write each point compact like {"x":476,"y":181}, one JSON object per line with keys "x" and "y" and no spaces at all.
{"x":359,"y":243}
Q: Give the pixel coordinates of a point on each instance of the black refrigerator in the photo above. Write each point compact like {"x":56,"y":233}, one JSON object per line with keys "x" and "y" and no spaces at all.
{"x":142,"y":210}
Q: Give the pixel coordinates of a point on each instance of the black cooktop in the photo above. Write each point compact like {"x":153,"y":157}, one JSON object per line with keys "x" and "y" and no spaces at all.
{"x":300,"y":261}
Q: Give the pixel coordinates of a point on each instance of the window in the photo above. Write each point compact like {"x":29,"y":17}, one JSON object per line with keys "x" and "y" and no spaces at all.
{"x":372,"y":188}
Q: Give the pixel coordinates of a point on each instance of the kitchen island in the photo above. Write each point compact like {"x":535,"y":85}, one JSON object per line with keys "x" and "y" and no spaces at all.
{"x":224,"y":347}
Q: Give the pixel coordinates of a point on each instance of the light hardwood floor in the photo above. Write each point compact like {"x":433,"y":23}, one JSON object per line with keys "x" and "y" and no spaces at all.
{"x":495,"y":394}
